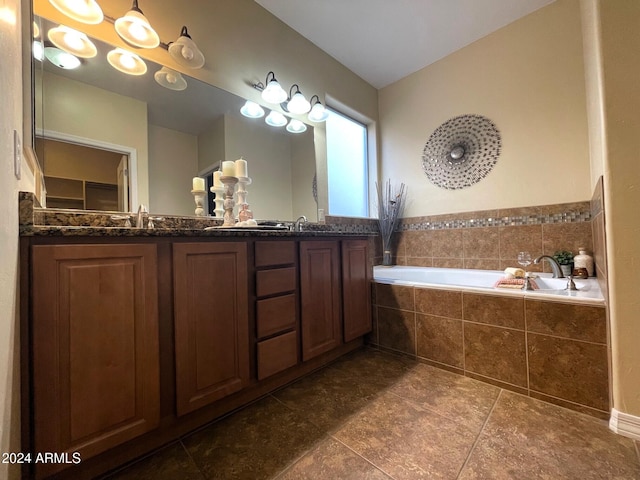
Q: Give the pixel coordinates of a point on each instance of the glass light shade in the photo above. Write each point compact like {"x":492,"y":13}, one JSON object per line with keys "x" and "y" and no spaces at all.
{"x":38,"y":50}
{"x":134,"y":28}
{"x":276,"y":119}
{"x":318,"y":113}
{"x":296,"y":126}
{"x":83,"y":11}
{"x":298,"y":104}
{"x":72,"y":41}
{"x":60,"y":58}
{"x":170,"y":79}
{"x":126,"y":62}
{"x":185,"y":51}
{"x":274,"y":93}
{"x":252,"y":110}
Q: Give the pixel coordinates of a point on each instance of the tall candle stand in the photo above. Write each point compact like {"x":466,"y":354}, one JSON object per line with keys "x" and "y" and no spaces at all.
{"x":242,"y":191}
{"x":219,"y":210}
{"x":198,"y":196}
{"x":229,"y":183}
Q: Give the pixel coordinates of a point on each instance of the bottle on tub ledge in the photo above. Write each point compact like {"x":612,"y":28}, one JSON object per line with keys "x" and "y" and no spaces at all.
{"x":584,"y":260}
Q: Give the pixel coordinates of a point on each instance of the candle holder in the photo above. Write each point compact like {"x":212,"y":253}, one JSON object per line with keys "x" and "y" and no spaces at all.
{"x":242,"y":189}
{"x":219,"y":210}
{"x":229,"y":183}
{"x":198,"y":196}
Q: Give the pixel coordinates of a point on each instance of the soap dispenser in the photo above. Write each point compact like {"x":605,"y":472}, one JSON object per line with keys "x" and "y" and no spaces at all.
{"x":584,"y":260}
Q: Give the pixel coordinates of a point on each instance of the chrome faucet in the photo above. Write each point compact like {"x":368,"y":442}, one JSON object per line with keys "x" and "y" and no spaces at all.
{"x":298,"y":225}
{"x":555,"y":266}
{"x":142,"y":211}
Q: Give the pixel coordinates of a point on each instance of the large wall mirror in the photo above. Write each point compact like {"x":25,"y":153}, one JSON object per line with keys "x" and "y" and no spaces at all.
{"x":108,"y":141}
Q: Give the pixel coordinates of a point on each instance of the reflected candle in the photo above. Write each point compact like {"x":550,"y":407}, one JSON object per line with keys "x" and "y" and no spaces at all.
{"x":241,"y":168}
{"x":228,"y":168}
{"x":198,"y":184}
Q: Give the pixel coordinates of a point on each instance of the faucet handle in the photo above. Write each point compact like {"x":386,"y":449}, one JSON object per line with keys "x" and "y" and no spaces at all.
{"x":126,"y":218}
{"x":570,"y":284}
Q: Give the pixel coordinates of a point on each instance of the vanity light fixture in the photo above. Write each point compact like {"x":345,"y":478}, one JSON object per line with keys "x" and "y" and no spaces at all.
{"x":296,"y":126}
{"x":272,"y":92}
{"x":170,"y":79}
{"x":126,"y":62}
{"x":185,"y":51}
{"x":318,"y":112}
{"x":72,"y":41}
{"x":297,"y":103}
{"x":276,"y":119}
{"x":60,"y":58}
{"x":252,"y":110}
{"x":83,"y":11}
{"x":134,"y":28}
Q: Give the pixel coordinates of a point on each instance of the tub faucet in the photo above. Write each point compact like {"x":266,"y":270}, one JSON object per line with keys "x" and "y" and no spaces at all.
{"x":555,"y":266}
{"x":297,"y":227}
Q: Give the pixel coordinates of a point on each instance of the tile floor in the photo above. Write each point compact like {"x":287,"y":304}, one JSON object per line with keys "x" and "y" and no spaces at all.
{"x":373,"y":415}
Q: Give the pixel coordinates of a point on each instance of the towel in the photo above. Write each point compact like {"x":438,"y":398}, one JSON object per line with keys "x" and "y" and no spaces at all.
{"x":515,"y":283}
{"x":512,"y":272}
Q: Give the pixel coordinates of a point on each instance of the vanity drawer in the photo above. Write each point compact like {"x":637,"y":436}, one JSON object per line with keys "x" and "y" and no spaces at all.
{"x":278,"y":280}
{"x":275,"y":314}
{"x":277,"y":354}
{"x":275,"y":253}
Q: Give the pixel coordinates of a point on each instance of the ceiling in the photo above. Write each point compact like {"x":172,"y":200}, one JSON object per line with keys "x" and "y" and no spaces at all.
{"x":383,"y":41}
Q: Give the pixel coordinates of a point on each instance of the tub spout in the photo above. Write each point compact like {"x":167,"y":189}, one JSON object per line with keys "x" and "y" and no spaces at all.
{"x":555,"y":266}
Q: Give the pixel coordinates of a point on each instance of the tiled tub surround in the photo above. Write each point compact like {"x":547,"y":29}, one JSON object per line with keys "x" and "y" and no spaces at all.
{"x":491,"y":239}
{"x":548,"y":350}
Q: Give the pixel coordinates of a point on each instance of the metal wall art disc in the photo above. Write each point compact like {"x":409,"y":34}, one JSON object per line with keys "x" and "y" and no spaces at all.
{"x":461,"y":151}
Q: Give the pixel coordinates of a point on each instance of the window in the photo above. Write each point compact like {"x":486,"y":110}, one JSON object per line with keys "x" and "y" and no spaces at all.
{"x":347,"y":169}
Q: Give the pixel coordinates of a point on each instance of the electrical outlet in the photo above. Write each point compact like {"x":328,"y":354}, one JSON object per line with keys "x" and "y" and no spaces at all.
{"x":321,"y":214}
{"x":17,"y":154}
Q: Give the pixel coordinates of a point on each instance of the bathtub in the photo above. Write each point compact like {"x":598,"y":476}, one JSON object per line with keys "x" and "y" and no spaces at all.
{"x":483,"y":281}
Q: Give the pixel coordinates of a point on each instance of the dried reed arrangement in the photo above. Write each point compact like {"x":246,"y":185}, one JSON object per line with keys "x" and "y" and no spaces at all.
{"x":391,"y":201}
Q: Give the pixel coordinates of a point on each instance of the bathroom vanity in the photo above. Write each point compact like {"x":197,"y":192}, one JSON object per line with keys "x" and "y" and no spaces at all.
{"x":134,"y":337}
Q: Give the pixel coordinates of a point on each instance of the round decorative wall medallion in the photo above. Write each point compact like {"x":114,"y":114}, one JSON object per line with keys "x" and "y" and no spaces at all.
{"x":461,"y":151}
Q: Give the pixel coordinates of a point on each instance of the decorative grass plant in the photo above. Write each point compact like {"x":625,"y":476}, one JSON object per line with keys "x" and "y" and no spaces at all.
{"x":391,"y":201}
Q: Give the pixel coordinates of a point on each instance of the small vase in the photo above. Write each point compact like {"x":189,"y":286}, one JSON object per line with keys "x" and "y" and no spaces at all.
{"x":566,"y":270}
{"x":387,"y":259}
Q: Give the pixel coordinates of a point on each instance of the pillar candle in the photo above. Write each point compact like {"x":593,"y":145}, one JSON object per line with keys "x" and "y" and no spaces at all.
{"x":241,"y":168}
{"x":216,"y":179}
{"x":198,"y":184}
{"x":228,"y":168}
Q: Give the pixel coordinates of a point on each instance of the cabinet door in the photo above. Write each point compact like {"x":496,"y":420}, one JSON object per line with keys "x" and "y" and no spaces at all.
{"x":320,"y":297}
{"x":211,"y":322}
{"x":356,"y":288}
{"x":95,"y":347}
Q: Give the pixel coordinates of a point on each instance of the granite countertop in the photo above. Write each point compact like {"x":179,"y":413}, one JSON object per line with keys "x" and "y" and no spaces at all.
{"x":49,"y":222}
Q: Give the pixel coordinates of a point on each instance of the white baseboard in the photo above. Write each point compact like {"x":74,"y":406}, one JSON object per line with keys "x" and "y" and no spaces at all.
{"x":625,"y":424}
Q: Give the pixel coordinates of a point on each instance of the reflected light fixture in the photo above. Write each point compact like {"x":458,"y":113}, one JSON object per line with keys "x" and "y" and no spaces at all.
{"x":170,"y":79}
{"x":83,"y":11}
{"x":36,"y":30}
{"x":60,"y":58}
{"x":252,"y":110}
{"x":273,"y":92}
{"x":38,"y":50}
{"x":72,"y":41}
{"x":126,"y":62}
{"x":297,"y":103}
{"x":296,"y":126}
{"x":185,"y":51}
{"x":318,"y":112}
{"x":134,"y":28}
{"x":276,"y":119}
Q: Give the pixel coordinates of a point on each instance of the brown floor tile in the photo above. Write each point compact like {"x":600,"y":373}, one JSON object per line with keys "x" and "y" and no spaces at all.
{"x":332,"y":460}
{"x":407,"y":441}
{"x":169,"y":463}
{"x":528,"y":439}
{"x":458,"y":398}
{"x":439,"y":339}
{"x":397,"y":329}
{"x":255,"y":443}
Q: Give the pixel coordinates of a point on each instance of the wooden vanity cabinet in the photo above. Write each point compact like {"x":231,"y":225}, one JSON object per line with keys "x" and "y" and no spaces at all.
{"x":211,"y":322}
{"x":94,"y":347}
{"x":356,"y":289}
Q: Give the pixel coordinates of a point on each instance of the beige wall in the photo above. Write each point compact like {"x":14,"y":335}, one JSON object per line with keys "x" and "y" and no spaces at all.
{"x":81,"y":110}
{"x":173,"y":164}
{"x":211,"y":146}
{"x":11,"y":118}
{"x":528,"y":78}
{"x":620,"y":44}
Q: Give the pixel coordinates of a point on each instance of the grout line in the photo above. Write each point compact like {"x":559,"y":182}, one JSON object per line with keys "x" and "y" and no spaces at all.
{"x":473,"y":447}
{"x":362,"y":457}
{"x":526,"y":346}
{"x":184,"y":447}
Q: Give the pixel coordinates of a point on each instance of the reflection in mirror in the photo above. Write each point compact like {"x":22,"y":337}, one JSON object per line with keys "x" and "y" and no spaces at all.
{"x":156,"y":140}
